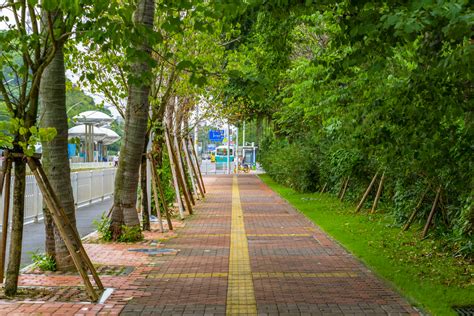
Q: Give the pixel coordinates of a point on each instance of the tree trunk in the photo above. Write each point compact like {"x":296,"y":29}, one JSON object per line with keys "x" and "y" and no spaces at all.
{"x":143,"y":186}
{"x":49,"y":243}
{"x":55,"y":158}
{"x":136,"y":119}
{"x":157,"y":150}
{"x":16,"y":237}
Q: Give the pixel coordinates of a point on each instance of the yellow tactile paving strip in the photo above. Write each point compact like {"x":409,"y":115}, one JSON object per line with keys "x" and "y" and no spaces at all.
{"x":248,"y":235}
{"x":240,"y":291}
{"x":280,"y":235}
{"x":304,"y":275}
{"x":255,"y":275}
{"x":187,"y":275}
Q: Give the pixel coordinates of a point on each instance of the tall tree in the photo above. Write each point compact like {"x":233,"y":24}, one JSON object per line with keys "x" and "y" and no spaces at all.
{"x":55,"y":158}
{"x":36,"y":41}
{"x":136,"y":120}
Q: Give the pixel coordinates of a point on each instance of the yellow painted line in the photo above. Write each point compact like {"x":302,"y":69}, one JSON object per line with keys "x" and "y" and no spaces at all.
{"x":240,"y":291}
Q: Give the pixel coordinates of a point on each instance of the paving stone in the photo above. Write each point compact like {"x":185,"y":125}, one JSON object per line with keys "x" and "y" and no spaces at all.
{"x":282,"y":265}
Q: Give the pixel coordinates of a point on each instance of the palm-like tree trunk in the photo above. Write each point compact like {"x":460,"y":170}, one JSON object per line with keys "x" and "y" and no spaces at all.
{"x":55,"y":159}
{"x":136,"y":119}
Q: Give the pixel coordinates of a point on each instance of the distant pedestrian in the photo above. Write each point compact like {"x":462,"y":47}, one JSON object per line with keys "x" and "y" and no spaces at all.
{"x":116,"y":160}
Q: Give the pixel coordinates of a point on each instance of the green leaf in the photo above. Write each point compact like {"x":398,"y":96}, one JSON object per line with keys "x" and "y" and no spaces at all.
{"x":185,"y":64}
{"x":50,"y":5}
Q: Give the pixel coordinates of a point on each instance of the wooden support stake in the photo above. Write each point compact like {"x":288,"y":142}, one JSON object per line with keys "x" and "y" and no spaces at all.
{"x":178,"y":173}
{"x":155,"y":194}
{"x":2,"y":174}
{"x":364,"y":197}
{"x":182,"y":170}
{"x":65,"y":228}
{"x":432,"y":212}
{"x":197,"y":165}
{"x":162,"y":195}
{"x":344,"y":190}
{"x":343,"y":181}
{"x":324,"y":187}
{"x":193,"y":175}
{"x":379,"y":192}
{"x":6,"y":209}
{"x":415,"y":210}
{"x":68,"y":224}
{"x":174,"y":176}
{"x":192,"y":167}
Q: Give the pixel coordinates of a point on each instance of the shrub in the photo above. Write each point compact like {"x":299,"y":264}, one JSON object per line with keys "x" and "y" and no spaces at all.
{"x":103,"y":227}
{"x":295,"y":165}
{"x":130,"y":234}
{"x":43,"y":261}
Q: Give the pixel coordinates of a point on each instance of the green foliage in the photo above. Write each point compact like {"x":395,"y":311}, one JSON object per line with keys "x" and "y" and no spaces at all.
{"x":43,"y":261}
{"x":166,"y":179}
{"x":422,"y":270}
{"x":103,"y":227}
{"x":131,"y":234}
{"x":294,"y":165}
{"x":361,"y":88}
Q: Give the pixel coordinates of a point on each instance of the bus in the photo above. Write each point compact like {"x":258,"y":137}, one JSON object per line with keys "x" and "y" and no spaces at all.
{"x":221,"y":156}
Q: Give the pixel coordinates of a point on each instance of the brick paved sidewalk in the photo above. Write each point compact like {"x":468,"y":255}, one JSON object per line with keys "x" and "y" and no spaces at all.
{"x":246,"y":251}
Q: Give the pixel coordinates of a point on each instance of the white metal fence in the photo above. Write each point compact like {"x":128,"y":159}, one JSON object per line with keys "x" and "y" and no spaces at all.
{"x":214,"y":168}
{"x":91,"y":165}
{"x":88,"y":187}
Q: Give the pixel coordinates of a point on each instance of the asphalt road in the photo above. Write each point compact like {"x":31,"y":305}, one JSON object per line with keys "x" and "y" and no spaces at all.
{"x":34,"y":235}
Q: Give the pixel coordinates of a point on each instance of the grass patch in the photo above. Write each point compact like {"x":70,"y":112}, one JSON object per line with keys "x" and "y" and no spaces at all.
{"x":430,"y":278}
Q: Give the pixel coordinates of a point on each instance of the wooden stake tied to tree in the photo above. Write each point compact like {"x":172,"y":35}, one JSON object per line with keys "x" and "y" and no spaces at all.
{"x":379,"y":192}
{"x":156,"y":182}
{"x":65,"y":228}
{"x":197,"y":166}
{"x":366,"y":193}
{"x":346,"y":184}
{"x":432,"y":213}
{"x":416,"y":209}
{"x":179,"y":176}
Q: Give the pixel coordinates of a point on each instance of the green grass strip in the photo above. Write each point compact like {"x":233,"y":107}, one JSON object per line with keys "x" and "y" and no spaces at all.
{"x":428,"y":277}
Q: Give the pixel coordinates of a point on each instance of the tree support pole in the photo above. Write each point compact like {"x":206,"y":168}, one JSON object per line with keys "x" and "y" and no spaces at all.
{"x":346,"y":184}
{"x":379,"y":192}
{"x":432,"y":212}
{"x":194,"y":175}
{"x":180,"y":180}
{"x":324,"y":188}
{"x":175,"y":177}
{"x":364,"y":197}
{"x":182,"y":170}
{"x":415,"y":210}
{"x":162,"y":193}
{"x":197,"y":166}
{"x":75,"y":248}
{"x":343,"y":181}
{"x":155,"y":195}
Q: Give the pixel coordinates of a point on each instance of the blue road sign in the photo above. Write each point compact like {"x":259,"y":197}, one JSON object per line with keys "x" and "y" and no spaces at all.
{"x":211,"y":147}
{"x":216,"y":135}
